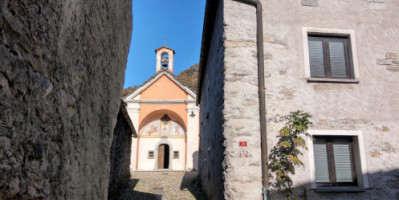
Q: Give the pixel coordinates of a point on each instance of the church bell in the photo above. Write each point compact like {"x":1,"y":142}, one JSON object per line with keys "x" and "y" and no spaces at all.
{"x":165,"y":62}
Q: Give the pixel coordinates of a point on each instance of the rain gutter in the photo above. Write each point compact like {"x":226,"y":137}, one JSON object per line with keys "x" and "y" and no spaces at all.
{"x":261,"y":92}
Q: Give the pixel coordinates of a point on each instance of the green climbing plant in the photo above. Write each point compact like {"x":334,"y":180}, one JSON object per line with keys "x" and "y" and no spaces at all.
{"x":284,"y":156}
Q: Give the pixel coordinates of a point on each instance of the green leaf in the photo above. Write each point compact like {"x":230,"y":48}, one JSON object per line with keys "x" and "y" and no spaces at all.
{"x":284,"y":155}
{"x":285,"y":131}
{"x":285,"y":144}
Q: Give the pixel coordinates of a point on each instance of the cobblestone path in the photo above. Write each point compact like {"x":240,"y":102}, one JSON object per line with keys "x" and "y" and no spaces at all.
{"x":163,"y":185}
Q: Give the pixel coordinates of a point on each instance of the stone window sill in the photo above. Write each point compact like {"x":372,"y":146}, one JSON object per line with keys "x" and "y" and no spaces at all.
{"x":333,"y":80}
{"x":339,"y":189}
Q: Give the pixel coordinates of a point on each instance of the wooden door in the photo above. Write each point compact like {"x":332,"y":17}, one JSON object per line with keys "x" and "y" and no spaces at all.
{"x":161,"y":156}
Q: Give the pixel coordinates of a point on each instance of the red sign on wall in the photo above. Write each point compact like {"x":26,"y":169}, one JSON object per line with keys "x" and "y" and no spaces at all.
{"x":243,"y":143}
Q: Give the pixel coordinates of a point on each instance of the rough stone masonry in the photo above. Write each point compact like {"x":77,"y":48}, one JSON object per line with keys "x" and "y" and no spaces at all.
{"x":228,"y":94}
{"x":61,"y":75}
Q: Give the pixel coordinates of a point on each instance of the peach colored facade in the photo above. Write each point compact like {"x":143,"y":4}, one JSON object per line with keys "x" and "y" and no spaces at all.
{"x":167,"y":118}
{"x":163,"y":88}
{"x":158,"y":91}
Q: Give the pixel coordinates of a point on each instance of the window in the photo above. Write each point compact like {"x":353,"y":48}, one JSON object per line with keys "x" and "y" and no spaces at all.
{"x":330,"y":57}
{"x":337,"y":161}
{"x":150,"y":154}
{"x":333,"y":157}
{"x":175,"y":154}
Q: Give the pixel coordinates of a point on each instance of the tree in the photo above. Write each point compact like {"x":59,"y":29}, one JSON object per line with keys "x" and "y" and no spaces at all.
{"x":285,"y":154}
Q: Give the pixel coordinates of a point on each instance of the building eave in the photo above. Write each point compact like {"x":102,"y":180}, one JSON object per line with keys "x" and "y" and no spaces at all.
{"x":164,"y":46}
{"x":125,"y":115}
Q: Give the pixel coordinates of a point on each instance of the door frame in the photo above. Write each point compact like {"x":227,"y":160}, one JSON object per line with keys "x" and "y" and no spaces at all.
{"x":163,"y":141}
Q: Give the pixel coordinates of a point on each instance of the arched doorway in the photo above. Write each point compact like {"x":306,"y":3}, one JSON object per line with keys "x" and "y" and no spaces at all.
{"x":163,"y":156}
{"x":162,"y":142}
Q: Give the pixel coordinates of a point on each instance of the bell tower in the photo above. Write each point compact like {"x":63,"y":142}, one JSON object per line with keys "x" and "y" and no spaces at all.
{"x":164,"y":59}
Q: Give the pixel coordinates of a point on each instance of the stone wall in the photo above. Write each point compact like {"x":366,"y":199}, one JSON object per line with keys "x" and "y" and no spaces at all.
{"x":241,"y":106}
{"x":369,"y":105}
{"x":61,"y":75}
{"x":211,"y":153}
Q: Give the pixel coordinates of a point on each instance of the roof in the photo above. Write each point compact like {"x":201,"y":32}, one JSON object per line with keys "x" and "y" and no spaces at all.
{"x":207,"y":30}
{"x":164,"y":46}
{"x":155,"y":77}
{"x":123,"y":111}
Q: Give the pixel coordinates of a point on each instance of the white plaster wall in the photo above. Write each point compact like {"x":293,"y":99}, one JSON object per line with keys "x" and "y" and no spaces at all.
{"x":133,"y":155}
{"x":133,"y":110}
{"x":192,"y":137}
{"x":368,"y":106}
{"x":151,"y":144}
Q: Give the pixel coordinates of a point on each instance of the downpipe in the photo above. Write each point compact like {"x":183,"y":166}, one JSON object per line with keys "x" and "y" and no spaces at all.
{"x":261,"y":92}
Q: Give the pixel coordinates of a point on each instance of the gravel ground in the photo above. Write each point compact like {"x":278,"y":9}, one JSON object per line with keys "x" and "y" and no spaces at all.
{"x":163,"y":185}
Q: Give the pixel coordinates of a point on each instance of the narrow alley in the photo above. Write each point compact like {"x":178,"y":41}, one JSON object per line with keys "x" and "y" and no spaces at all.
{"x":163,"y":185}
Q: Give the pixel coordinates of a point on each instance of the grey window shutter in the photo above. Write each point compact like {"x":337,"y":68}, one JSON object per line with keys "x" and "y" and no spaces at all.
{"x":320,"y":159}
{"x":316,"y":58}
{"x":342,"y":158}
{"x":337,"y":58}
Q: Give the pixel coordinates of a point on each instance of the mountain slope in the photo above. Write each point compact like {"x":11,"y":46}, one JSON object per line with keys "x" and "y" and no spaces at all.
{"x":189,"y":77}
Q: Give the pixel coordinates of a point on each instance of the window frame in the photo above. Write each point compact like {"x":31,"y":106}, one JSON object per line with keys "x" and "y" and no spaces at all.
{"x":326,"y":32}
{"x":174,"y":155}
{"x":325,"y":39}
{"x":331,"y":162}
{"x":359,"y":158}
{"x":149,"y":154}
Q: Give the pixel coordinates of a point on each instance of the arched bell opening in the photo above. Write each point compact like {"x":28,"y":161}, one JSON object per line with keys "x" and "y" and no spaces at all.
{"x":164,"y":60}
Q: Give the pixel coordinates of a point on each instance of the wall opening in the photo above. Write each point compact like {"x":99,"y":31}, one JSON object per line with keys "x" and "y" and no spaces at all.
{"x":163,"y":156}
{"x":165,"y":60}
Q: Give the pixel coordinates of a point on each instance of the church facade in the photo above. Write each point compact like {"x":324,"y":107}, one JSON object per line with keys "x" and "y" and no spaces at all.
{"x":166,"y":117}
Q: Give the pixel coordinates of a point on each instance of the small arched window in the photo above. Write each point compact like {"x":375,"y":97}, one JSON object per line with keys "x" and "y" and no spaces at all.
{"x":164,"y":60}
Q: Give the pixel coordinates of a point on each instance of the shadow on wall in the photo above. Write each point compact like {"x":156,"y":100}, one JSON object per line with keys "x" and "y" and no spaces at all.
{"x":195,"y":161}
{"x":382,"y":185}
{"x":120,"y":154}
{"x":190,"y":183}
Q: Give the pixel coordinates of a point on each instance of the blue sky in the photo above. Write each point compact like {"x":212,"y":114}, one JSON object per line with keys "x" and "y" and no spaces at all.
{"x":179,"y":21}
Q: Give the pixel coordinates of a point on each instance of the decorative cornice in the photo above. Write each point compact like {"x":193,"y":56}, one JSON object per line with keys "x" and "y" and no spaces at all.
{"x":161,"y":101}
{"x":193,"y":109}
{"x":157,"y":136}
{"x":133,"y":109}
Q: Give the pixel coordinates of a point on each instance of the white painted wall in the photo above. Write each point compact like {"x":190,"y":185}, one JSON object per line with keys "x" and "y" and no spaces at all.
{"x":151,"y":144}
{"x":192,"y":137}
{"x":133,"y":110}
